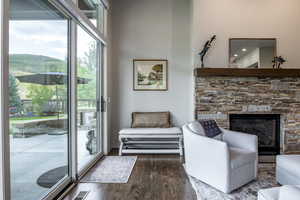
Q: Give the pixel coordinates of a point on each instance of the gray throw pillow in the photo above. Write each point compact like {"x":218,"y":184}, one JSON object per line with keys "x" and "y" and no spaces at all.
{"x":197,"y":128}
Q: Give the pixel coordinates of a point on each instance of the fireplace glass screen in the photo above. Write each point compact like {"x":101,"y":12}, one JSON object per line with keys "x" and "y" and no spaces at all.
{"x":265,"y":126}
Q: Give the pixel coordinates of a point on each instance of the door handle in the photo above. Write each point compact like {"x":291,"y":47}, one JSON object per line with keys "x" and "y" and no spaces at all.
{"x":98,"y":106}
{"x":103,"y":104}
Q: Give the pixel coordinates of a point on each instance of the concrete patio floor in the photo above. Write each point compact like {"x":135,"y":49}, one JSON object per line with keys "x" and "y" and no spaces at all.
{"x":33,"y":156}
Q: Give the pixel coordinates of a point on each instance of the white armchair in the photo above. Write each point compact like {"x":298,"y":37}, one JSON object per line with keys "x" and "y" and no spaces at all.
{"x":224,"y":164}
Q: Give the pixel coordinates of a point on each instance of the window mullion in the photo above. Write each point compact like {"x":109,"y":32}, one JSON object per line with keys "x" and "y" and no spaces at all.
{"x":73,"y":99}
{"x":4,"y":109}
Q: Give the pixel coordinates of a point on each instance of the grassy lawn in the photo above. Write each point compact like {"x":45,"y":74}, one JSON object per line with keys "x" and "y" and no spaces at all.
{"x":16,"y":120}
{"x":31,"y":118}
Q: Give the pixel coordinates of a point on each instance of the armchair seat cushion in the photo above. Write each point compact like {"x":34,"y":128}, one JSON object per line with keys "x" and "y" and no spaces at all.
{"x":240,"y":157}
{"x":151,"y":131}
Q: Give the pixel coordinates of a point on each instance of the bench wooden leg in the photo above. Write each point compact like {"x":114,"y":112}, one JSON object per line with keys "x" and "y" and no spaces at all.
{"x":121,"y":146}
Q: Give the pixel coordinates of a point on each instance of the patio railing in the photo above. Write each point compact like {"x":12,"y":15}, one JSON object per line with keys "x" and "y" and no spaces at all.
{"x":57,"y":105}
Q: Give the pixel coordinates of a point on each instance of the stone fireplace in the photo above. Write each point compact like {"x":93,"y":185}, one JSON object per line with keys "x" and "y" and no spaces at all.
{"x":265,"y":126}
{"x":220,"y":97}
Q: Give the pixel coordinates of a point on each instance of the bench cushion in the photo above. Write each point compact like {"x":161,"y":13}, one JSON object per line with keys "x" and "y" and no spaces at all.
{"x":151,"y":131}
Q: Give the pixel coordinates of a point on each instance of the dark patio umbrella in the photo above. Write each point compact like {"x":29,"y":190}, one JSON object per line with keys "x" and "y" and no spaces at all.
{"x":50,"y":78}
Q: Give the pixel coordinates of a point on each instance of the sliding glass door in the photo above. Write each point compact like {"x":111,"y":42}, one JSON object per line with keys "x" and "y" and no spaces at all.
{"x":53,"y":127}
{"x":38,"y":98}
{"x":88,"y":101}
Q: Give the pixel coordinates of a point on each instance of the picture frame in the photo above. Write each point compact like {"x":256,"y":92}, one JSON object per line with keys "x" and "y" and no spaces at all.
{"x":150,"y":75}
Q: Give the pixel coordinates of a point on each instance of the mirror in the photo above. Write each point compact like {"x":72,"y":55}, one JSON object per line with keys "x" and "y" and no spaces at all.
{"x":252,"y":52}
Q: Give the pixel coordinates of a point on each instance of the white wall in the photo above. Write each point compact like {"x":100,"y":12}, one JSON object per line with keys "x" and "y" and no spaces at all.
{"x":151,"y":29}
{"x":247,"y":19}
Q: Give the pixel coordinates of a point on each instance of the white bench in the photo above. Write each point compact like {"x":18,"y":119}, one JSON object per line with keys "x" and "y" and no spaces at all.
{"x":151,"y":141}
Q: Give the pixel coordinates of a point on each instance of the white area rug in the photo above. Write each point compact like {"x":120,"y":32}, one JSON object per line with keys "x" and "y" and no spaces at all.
{"x":111,"y":169}
{"x":266,"y":179}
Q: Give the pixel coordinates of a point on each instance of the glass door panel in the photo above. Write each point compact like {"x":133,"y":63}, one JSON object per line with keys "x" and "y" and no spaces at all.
{"x":38,"y":98}
{"x":88,"y":129}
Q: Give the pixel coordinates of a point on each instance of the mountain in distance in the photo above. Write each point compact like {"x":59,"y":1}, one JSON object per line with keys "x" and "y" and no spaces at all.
{"x":29,"y":63}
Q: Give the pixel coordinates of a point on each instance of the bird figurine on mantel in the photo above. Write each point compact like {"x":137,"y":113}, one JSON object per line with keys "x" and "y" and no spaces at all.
{"x":205,"y":49}
{"x":278,"y":60}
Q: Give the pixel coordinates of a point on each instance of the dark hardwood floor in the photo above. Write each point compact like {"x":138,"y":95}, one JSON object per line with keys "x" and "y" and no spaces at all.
{"x":154,"y":177}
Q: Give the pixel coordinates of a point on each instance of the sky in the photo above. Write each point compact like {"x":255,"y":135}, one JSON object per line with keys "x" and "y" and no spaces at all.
{"x":44,"y":37}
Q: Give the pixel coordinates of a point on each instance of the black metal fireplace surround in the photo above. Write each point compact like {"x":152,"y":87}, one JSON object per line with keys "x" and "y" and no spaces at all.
{"x":265,"y":126}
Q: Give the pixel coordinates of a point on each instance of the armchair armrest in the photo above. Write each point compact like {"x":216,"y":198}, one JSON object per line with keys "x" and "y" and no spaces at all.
{"x":243,"y":141}
{"x":240,"y":140}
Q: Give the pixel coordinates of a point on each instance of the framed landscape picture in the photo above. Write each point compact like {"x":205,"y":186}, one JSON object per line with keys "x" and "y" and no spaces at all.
{"x":150,"y":75}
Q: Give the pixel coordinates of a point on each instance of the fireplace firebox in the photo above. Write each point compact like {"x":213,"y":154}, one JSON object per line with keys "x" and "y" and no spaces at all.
{"x":265,"y":126}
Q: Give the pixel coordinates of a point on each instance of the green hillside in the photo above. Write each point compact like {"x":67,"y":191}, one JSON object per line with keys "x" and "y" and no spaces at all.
{"x":35,"y":64}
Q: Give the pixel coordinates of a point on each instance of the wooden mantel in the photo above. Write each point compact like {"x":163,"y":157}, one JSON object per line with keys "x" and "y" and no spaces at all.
{"x":235,"y":72}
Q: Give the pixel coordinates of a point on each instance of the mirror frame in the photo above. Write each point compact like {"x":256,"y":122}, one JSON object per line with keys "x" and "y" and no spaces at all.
{"x":230,"y":39}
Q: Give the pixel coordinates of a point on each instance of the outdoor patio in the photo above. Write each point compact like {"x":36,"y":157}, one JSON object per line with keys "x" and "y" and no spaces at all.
{"x":33,"y":156}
